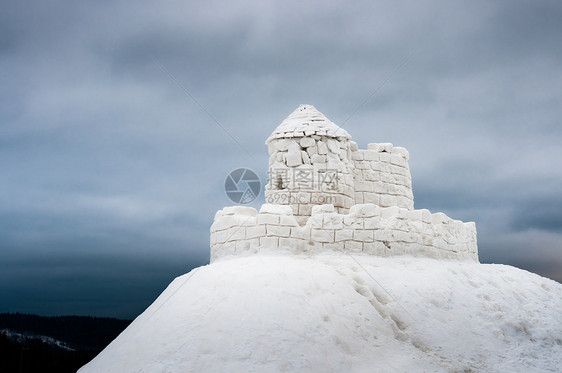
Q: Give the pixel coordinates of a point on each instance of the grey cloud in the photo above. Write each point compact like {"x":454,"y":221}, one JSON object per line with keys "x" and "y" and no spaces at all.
{"x":86,"y":284}
{"x":532,"y":250}
{"x":539,"y":212}
{"x":106,"y":154}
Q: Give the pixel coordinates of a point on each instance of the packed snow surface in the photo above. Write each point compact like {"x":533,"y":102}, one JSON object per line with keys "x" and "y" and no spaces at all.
{"x":341,"y":313}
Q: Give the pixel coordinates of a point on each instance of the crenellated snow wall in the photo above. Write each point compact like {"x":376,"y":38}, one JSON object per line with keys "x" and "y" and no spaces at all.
{"x":367,"y":228}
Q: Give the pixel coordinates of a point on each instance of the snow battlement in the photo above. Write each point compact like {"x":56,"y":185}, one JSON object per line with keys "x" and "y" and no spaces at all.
{"x":367,"y":228}
{"x":324,"y":193}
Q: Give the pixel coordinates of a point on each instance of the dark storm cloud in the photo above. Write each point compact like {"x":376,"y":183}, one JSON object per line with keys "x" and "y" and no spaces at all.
{"x":531,"y":249}
{"x":542,"y":213}
{"x":107,"y":164}
{"x":79,"y":283}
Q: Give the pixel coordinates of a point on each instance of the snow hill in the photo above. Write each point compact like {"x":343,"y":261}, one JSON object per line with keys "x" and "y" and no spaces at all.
{"x":276,"y":312}
{"x":342,"y":276}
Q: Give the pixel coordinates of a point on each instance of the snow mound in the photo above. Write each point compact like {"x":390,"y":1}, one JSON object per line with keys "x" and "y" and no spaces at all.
{"x":338,"y":313}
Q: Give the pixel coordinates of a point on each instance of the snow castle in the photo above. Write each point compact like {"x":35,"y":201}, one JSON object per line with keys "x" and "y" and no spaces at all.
{"x":324,"y":194}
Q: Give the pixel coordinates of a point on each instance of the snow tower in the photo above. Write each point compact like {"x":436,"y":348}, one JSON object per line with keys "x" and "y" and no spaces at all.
{"x":324,"y":193}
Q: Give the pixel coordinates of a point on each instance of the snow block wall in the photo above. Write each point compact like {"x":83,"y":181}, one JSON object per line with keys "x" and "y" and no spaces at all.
{"x":382,"y":176}
{"x":367,"y":228}
{"x":324,"y":193}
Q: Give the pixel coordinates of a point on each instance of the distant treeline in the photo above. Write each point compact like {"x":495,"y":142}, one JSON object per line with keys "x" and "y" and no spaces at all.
{"x":24,"y":348}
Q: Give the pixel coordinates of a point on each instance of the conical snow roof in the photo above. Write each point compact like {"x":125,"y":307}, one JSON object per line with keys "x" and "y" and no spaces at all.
{"x":307,"y":121}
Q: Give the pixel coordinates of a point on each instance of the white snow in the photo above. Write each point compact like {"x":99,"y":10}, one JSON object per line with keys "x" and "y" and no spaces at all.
{"x":280,"y":312}
{"x":307,"y":121}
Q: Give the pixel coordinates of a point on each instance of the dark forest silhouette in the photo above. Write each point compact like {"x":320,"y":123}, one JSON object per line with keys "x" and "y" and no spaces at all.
{"x":24,"y":348}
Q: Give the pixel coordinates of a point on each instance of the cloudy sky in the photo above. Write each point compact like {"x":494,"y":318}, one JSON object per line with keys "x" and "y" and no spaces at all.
{"x":111,"y":174}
